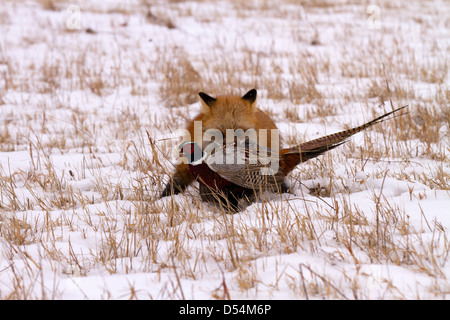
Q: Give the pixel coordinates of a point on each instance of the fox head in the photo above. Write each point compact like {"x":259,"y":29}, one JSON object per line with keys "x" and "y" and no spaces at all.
{"x":229,"y":112}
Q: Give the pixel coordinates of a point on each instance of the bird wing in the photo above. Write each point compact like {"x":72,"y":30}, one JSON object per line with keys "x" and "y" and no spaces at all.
{"x":247,"y":167}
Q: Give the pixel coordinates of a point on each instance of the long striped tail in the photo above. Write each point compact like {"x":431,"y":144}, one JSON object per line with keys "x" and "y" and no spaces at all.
{"x":311,"y":149}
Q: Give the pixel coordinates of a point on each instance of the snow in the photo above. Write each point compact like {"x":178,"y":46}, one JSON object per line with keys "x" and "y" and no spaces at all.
{"x":79,"y":176}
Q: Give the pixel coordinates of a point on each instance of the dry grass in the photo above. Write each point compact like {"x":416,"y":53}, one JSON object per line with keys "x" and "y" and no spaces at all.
{"x":85,"y":151}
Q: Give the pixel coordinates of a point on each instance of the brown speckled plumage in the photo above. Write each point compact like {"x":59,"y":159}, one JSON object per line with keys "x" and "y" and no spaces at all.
{"x":235,"y":180}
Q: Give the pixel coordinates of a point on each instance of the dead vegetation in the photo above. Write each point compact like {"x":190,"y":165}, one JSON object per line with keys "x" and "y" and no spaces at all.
{"x":85,"y":142}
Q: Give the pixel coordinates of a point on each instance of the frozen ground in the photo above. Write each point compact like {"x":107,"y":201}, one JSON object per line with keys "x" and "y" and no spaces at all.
{"x":91,"y":90}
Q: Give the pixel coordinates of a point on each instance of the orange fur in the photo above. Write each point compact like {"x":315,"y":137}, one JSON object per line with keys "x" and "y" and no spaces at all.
{"x":221,"y":113}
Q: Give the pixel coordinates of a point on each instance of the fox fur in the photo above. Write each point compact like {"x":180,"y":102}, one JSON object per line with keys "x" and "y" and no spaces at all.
{"x":222,"y":113}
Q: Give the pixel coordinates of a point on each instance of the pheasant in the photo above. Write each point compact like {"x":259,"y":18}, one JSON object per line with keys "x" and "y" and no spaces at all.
{"x":247,"y":172}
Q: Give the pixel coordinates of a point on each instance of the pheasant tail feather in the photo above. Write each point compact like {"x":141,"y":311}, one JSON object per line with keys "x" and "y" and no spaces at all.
{"x":311,"y":149}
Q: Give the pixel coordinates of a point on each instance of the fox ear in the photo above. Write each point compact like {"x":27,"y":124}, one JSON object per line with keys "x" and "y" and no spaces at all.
{"x":250,"y":96}
{"x":208,"y":100}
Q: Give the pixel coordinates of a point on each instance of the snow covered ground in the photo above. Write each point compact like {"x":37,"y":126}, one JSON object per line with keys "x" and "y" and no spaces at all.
{"x":91,"y":92}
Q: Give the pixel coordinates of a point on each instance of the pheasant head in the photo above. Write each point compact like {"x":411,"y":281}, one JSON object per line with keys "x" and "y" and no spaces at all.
{"x":192,"y":152}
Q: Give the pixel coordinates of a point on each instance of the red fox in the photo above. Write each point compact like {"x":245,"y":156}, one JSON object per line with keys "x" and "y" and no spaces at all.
{"x":222,"y":113}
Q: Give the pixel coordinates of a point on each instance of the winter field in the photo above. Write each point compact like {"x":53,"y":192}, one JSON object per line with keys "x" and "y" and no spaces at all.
{"x":92,"y":94}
